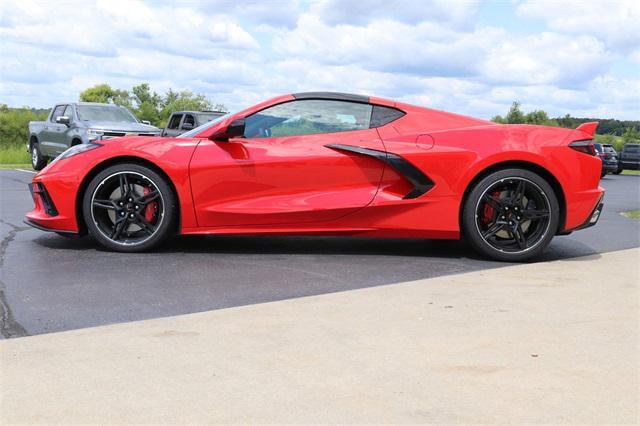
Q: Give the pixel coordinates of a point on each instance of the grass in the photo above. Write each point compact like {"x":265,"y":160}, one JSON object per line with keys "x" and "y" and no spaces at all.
{"x":633,"y":214}
{"x":14,"y":154}
{"x":15,"y":166}
{"x":631,"y":172}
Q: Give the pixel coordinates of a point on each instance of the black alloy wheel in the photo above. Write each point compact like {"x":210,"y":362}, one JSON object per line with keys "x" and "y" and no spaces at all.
{"x":129,"y":208}
{"x":511,"y":215}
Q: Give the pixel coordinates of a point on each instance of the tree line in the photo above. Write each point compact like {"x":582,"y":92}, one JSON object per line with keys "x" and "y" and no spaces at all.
{"x":611,"y":131}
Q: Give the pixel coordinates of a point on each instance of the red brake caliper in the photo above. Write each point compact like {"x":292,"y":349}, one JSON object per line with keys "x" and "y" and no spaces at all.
{"x":152,"y":207}
{"x":487,"y":212}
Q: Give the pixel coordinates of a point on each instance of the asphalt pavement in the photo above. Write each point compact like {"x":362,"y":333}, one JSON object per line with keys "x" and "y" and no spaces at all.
{"x":50,"y":283}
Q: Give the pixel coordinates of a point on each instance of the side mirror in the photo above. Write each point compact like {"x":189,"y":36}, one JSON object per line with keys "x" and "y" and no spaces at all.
{"x":187,"y":126}
{"x":147,"y":122}
{"x":234,"y":130}
{"x":63,"y":119}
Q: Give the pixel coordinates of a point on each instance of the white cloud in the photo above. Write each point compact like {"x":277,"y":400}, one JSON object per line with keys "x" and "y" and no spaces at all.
{"x":614,"y":22}
{"x":435,"y":53}
{"x":456,"y":14}
{"x":546,"y":58}
{"x":426,"y":48}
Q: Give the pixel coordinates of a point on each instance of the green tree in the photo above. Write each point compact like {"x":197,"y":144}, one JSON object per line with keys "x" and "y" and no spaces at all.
{"x":183,"y":101}
{"x":147,"y":104}
{"x":631,"y":135}
{"x":14,"y":125}
{"x":515,"y":115}
{"x":104,"y":93}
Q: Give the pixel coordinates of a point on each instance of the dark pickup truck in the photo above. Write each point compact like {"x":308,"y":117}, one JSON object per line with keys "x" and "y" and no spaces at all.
{"x":629,"y":157}
{"x":183,"y":121}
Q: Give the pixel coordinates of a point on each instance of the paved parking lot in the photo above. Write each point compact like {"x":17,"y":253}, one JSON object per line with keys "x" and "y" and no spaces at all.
{"x":49,"y":283}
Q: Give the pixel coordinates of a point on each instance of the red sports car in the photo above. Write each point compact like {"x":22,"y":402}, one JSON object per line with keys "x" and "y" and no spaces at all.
{"x":330,"y":164}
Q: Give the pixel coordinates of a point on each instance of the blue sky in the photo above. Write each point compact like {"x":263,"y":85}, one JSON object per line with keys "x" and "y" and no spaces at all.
{"x":572,"y":57}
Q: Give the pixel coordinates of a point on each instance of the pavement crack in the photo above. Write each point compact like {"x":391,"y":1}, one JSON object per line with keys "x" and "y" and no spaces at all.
{"x":4,"y":244}
{"x":9,"y":327}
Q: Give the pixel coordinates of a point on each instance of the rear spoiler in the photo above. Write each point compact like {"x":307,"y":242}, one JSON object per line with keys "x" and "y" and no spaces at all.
{"x":589,"y":128}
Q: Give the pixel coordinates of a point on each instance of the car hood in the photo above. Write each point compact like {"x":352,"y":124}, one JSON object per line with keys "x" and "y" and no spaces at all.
{"x":121,"y":126}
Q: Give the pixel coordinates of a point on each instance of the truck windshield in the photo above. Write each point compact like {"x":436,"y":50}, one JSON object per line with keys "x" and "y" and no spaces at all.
{"x":104,"y":113}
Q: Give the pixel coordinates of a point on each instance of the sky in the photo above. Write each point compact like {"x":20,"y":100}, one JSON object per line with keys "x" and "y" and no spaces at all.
{"x":570,"y":57}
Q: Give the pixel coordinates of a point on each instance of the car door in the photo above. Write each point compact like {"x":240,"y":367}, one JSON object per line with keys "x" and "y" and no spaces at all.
{"x":173,"y":126}
{"x":287,"y":169}
{"x":49,"y":136}
{"x":60,"y":137}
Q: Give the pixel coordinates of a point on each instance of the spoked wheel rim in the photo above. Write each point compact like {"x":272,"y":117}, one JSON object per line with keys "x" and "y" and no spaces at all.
{"x":127,"y":208}
{"x":34,"y":155}
{"x":513,"y":215}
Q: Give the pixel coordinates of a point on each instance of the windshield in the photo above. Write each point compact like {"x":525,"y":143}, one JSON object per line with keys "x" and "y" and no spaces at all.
{"x":205,"y":126}
{"x":104,"y":113}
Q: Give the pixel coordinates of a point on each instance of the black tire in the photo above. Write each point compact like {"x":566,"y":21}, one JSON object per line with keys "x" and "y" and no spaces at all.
{"x":38,"y":161}
{"x":603,"y":174}
{"x":116,"y":202}
{"x":617,"y":172}
{"x":526,"y":223}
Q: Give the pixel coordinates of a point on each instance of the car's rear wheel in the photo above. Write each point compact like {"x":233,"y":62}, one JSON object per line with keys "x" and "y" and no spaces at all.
{"x":617,"y":172}
{"x":129,"y":208}
{"x":38,"y":161}
{"x":510,"y":215}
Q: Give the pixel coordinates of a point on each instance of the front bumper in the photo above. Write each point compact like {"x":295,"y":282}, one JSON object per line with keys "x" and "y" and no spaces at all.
{"x":54,"y":206}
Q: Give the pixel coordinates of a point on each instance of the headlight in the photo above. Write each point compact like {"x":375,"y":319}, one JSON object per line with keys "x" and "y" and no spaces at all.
{"x":76,"y":149}
{"x":94,"y":134}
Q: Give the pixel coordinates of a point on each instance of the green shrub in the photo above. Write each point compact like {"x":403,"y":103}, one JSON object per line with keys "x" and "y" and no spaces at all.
{"x":14,"y":154}
{"x":14,"y":124}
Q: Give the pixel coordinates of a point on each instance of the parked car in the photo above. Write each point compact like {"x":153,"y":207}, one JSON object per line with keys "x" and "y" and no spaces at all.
{"x":183,"y":121}
{"x":629,"y":157}
{"x":333,"y":164}
{"x":609,"y":157}
{"x":76,"y":123}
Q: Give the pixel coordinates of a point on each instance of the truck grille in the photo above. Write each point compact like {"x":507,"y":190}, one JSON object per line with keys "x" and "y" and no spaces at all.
{"x":109,"y":135}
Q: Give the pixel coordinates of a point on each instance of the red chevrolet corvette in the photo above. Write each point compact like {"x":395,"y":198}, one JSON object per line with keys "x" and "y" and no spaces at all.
{"x":330,"y":164}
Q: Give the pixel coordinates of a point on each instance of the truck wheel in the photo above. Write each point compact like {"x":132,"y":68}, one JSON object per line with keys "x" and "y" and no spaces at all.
{"x":38,"y":161}
{"x":617,"y":172}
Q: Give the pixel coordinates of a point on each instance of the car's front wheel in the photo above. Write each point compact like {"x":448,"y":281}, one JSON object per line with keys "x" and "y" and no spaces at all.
{"x":38,"y":161}
{"x":129,"y":208}
{"x":510,"y":215}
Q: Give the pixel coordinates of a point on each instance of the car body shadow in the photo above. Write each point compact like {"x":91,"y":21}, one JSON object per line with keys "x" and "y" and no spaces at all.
{"x":559,"y":249}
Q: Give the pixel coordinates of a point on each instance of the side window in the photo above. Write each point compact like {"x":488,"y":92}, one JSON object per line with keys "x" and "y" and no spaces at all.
{"x":57,"y":112}
{"x":188,"y":119}
{"x":68,"y":112}
{"x":174,"y":122}
{"x":307,"y":117}
{"x":382,"y":115}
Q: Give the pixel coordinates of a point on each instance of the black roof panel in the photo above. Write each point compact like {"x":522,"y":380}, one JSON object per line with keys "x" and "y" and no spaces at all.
{"x":334,"y":96}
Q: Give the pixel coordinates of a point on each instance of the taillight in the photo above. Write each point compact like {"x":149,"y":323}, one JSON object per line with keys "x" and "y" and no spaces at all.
{"x":584,"y":146}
